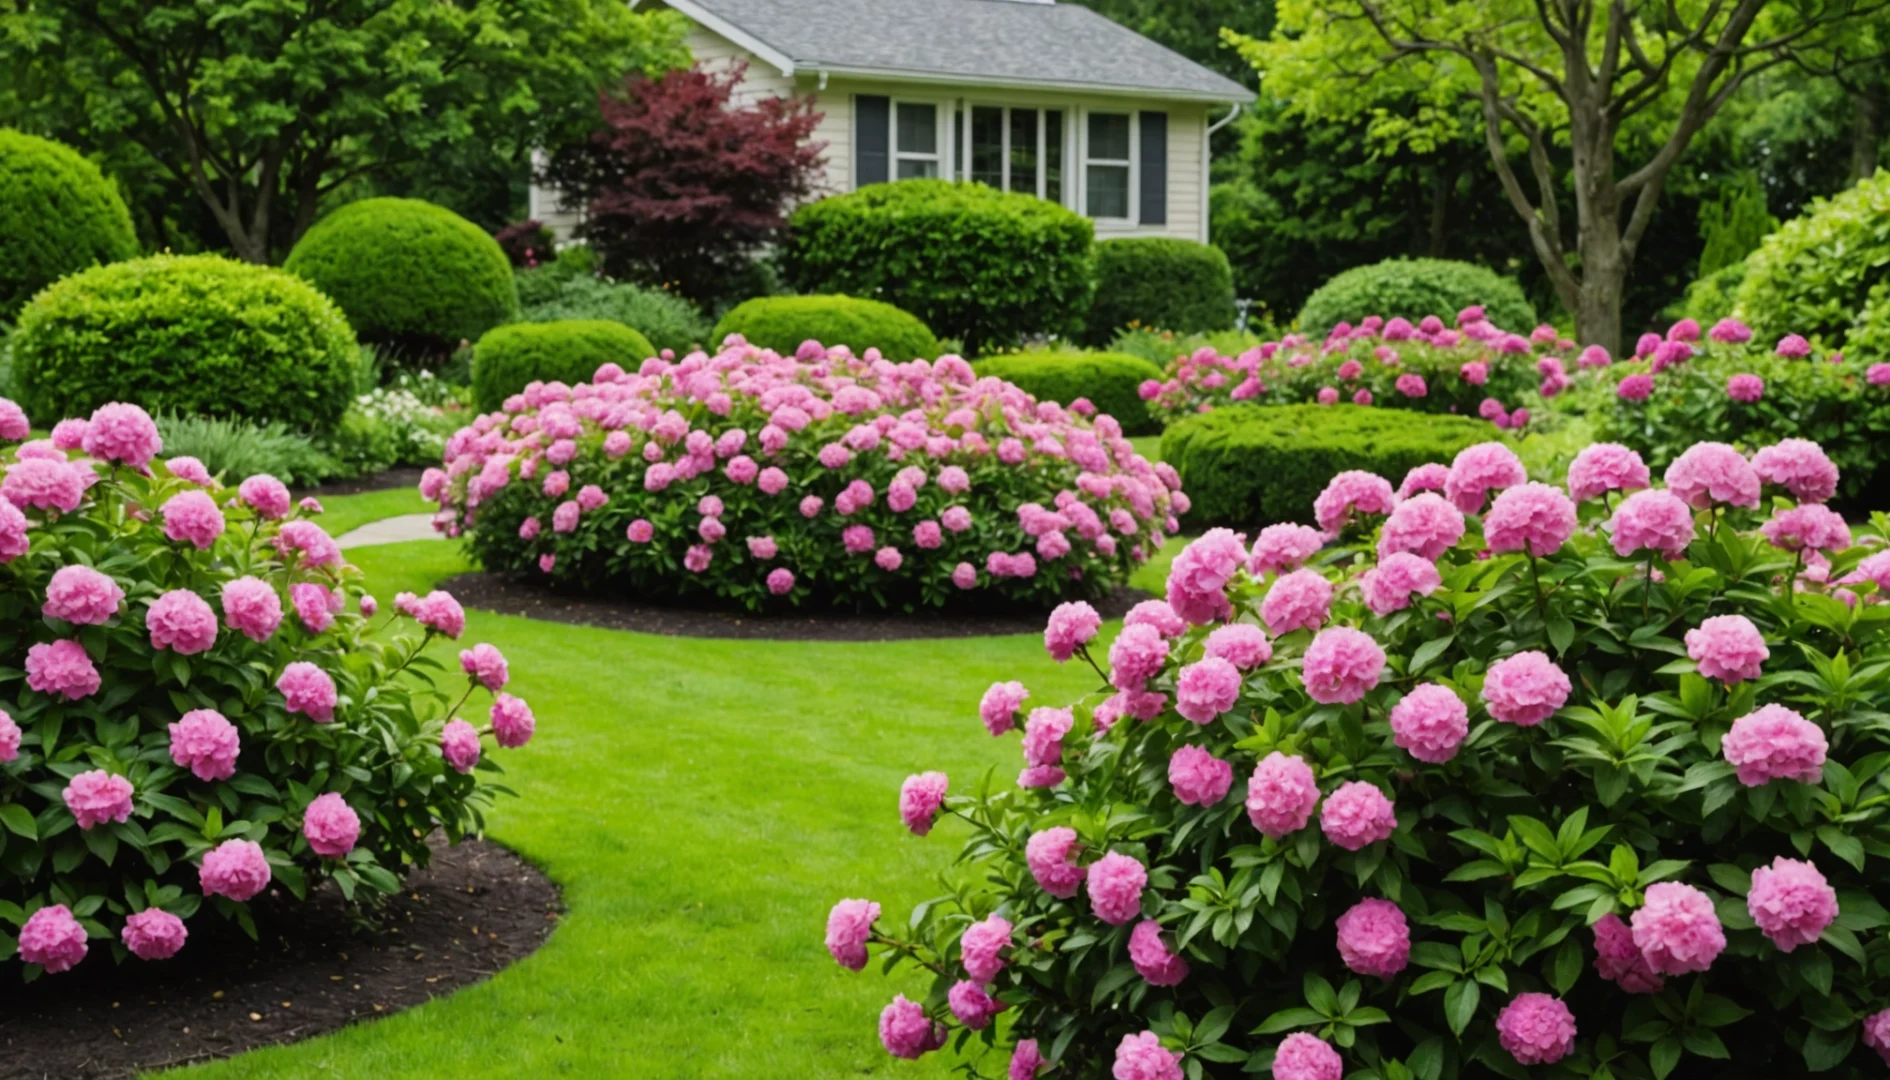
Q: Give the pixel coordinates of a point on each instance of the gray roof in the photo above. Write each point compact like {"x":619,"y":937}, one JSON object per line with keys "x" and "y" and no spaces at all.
{"x":968,"y":41}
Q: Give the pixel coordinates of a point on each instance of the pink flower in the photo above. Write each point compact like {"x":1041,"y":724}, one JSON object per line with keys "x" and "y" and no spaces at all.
{"x":1791,"y":902}
{"x":1619,"y":960}
{"x":1049,"y":856}
{"x":1071,"y":626}
{"x":1137,"y":655}
{"x":1158,"y":614}
{"x":1341,"y":666}
{"x":849,"y":927}
{"x":1536,"y":1029}
{"x":485,"y":664}
{"x":857,"y":539}
{"x":1241,"y":644}
{"x":10,"y":736}
{"x":1299,"y":600}
{"x":121,"y":434}
{"x":888,"y":559}
{"x":1026,"y":1060}
{"x":1363,"y":397}
{"x":1474,"y":372}
{"x":308,"y":690}
{"x":1877,"y":374}
{"x":38,"y":484}
{"x":1197,"y":582}
{"x":61,"y":667}
{"x":252,"y":607}
{"x":1877,"y":1033}
{"x":1525,"y":689}
{"x":237,"y":869}
{"x":1429,"y":476}
{"x":1535,"y":517}
{"x":1728,"y":648}
{"x":97,"y":798}
{"x":1281,"y":795}
{"x":1478,"y":470}
{"x":1654,"y":521}
{"x":1043,"y":739}
{"x":780,"y":581}
{"x":1605,"y":467}
{"x":763,"y":547}
{"x":1677,"y":930}
{"x":69,"y":434}
{"x":266,"y":495}
{"x":206,"y":744}
{"x":1328,"y":395}
{"x":192,"y":517}
{"x":1636,"y":387}
{"x":1283,"y":547}
{"x":1745,"y":387}
{"x":1800,"y":466}
{"x":558,"y":482}
{"x":1710,"y":473}
{"x":1357,"y":814}
{"x":13,"y":526}
{"x":955,"y":519}
{"x":153,"y":934}
{"x":529,"y":529}
{"x":53,"y":939}
{"x":1411,"y":385}
{"x":1150,"y":955}
{"x":1206,"y":689}
{"x":564,"y":517}
{"x":971,"y":1005}
{"x":1198,"y":777}
{"x":1352,"y":492}
{"x":920,"y":798}
{"x":82,"y":596}
{"x":640,"y":531}
{"x":998,"y":708}
{"x":1425,"y":525}
{"x":697,"y":558}
{"x":459,"y":745}
{"x":331,"y":826}
{"x":312,"y":605}
{"x":1813,"y":527}
{"x":1141,"y":1057}
{"x":1389,"y":586}
{"x":1793,"y":347}
{"x":1730,"y":332}
{"x":1305,"y":1056}
{"x":982,"y":947}
{"x":1775,"y":743}
{"x":316,"y":548}
{"x":1594,"y":356}
{"x":1374,"y":938}
{"x":440,"y":613}
{"x":772,"y":481}
{"x":906,"y":1032}
{"x":1430,"y":723}
{"x":512,"y":721}
{"x":182,"y":621}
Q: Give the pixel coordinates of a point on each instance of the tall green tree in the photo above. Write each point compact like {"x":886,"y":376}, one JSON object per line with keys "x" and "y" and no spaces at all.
{"x":261,"y":108}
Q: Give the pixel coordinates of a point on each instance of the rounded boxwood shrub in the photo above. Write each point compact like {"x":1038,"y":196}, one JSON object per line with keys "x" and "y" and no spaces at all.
{"x":768,"y":481}
{"x":187,"y":333}
{"x":667,"y":320}
{"x":1162,"y":283}
{"x":568,"y":351}
{"x":1252,"y":465}
{"x":1109,"y":381}
{"x":1522,"y":787}
{"x":782,"y":323}
{"x":1414,"y":288}
{"x":411,"y":275}
{"x":205,"y":711}
{"x":58,"y":214}
{"x":1822,"y":273}
{"x":986,"y":267}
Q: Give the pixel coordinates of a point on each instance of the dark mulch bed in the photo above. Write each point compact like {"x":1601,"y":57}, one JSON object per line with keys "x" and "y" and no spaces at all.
{"x":400,"y":477}
{"x":516,"y":595}
{"x":477,"y":908}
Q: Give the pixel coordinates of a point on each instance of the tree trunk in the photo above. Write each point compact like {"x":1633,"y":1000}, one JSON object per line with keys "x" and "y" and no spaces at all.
{"x":1864,"y":136}
{"x":1604,"y":279}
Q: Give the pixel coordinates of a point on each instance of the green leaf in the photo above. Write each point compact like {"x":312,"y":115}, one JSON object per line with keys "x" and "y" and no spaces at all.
{"x":1843,"y":845}
{"x":1703,"y":1043}
{"x":1731,"y":878}
{"x":1214,"y":1025}
{"x":1422,"y":656}
{"x":1285,"y":1019}
{"x":1826,"y":1050}
{"x":1663,"y":1056}
{"x":1460,"y":1004}
{"x":1113,"y":980}
{"x":1427,"y":1061}
{"x":19,"y":820}
{"x":1321,"y":996}
{"x":1561,"y":634}
{"x":1567,"y":966}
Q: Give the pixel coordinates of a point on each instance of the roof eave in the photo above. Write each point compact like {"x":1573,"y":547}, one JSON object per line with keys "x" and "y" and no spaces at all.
{"x":1239,"y":96}
{"x":767,"y":53}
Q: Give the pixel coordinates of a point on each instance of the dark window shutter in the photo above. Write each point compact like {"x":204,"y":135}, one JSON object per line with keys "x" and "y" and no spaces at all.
{"x":872,"y":138}
{"x":1154,"y":168}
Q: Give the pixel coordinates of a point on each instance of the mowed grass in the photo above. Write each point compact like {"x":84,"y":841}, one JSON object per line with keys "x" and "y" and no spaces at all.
{"x":702,"y":804}
{"x":340,"y":513}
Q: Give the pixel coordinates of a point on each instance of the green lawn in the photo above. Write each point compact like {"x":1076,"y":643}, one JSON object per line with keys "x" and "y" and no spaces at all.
{"x":341,"y":513}
{"x":702,"y":804}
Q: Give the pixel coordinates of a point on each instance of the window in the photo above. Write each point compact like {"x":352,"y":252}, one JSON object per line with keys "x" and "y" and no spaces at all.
{"x":1017,"y":150}
{"x":915,"y":140}
{"x":1053,"y":156}
{"x":1106,"y":160}
{"x":1023,"y":157}
{"x":987,"y":145}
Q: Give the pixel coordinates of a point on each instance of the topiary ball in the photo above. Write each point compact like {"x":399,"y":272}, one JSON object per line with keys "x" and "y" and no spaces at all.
{"x":1415,"y":288}
{"x":411,"y":275}
{"x":1110,"y":381}
{"x":569,"y":351}
{"x":192,"y":333}
{"x":1162,"y":283}
{"x":781,"y":323}
{"x":1821,"y":275}
{"x":58,"y":214}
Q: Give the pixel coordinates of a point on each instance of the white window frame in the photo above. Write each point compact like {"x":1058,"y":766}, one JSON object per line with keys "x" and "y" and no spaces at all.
{"x":1043,"y":145}
{"x":941,"y":139}
{"x":1133,"y":217}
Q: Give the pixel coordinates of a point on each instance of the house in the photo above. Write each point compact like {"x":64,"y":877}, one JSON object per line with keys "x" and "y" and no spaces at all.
{"x":1033,"y":96}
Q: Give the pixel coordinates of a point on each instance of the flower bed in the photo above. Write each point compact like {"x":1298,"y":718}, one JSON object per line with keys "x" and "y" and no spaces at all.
{"x":201,"y":717}
{"x":1476,"y":369}
{"x":770,"y":480}
{"x":1500,"y":779}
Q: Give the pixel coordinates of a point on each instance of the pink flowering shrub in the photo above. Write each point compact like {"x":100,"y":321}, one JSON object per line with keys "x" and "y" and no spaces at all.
{"x":820,"y":478}
{"x":1423,"y":367}
{"x":1603,"y":797}
{"x":198,"y":712}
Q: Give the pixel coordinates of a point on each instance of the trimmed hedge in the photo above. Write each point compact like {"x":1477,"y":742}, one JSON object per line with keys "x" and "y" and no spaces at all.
{"x":58,"y":214}
{"x":984,"y":266}
{"x":1823,"y":273}
{"x":1253,"y":465}
{"x":781,"y":323}
{"x":1110,"y":381}
{"x":1160,"y":282}
{"x":510,"y":357}
{"x":410,"y":274}
{"x":188,"y":333}
{"x":1415,"y":288}
{"x":667,"y":320}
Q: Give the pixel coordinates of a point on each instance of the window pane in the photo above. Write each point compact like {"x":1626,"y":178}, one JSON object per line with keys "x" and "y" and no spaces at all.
{"x":1108,"y":191}
{"x":1108,"y":136}
{"x":987,"y":145}
{"x":918,"y":129}
{"x":1024,"y":151}
{"x":1053,"y":156}
{"x":912,"y":169}
{"x":957,"y":135}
